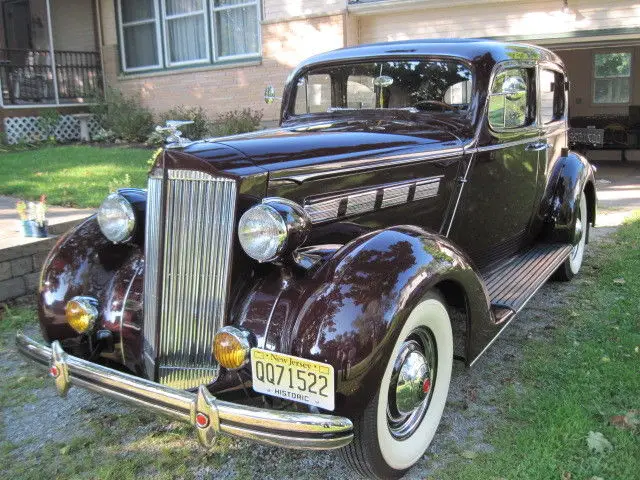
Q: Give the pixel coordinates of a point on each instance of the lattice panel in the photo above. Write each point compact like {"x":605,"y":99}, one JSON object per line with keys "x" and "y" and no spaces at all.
{"x":28,"y":129}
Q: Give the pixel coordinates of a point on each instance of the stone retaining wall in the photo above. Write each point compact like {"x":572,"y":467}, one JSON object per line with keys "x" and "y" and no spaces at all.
{"x":20,"y":268}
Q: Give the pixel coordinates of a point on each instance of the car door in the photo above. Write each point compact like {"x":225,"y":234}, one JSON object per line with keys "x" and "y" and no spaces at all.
{"x":495,"y":209}
{"x":552,"y":98}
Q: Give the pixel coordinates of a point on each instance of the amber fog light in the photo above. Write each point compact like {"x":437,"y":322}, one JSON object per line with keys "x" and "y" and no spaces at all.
{"x":81,"y":313}
{"x":231,"y":347}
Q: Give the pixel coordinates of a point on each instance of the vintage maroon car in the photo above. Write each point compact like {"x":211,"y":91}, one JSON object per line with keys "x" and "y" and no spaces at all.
{"x":310,"y":286}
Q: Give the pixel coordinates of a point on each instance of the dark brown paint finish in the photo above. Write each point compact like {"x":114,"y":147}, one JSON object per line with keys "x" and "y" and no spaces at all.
{"x":343,"y":297}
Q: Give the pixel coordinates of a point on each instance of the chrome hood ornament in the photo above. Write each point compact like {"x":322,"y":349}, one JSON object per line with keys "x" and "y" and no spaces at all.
{"x":174,"y":137}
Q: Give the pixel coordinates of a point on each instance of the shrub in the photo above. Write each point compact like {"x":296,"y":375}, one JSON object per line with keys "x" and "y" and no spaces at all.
{"x":237,"y":121}
{"x":199,"y":129}
{"x":124,"y":116}
{"x":48,"y":122}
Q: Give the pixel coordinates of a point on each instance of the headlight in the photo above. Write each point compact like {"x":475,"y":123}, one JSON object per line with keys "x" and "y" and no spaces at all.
{"x":273,"y":228}
{"x":116,"y":218}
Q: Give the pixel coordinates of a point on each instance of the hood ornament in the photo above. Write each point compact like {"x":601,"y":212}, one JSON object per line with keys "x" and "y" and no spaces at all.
{"x":174,"y":137}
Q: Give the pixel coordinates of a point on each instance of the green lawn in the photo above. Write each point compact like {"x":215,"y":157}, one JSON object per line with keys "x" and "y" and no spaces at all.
{"x":74,"y":176}
{"x":587,"y":379}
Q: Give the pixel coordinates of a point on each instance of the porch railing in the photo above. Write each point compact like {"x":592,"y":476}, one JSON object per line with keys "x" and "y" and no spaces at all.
{"x":26,"y":76}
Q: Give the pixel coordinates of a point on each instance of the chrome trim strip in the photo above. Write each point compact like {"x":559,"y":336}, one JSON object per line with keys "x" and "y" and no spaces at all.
{"x":365,"y":200}
{"x":280,"y":428}
{"x":462,"y":183}
{"x":395,"y":195}
{"x":515,"y":143}
{"x":389,"y":161}
{"x":153,"y":223}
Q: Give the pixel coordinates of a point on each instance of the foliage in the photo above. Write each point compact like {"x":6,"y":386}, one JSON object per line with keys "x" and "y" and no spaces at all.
{"x":104,"y":136}
{"x":237,"y":121}
{"x":117,"y":183}
{"x":613,"y":64}
{"x":199,"y":129}
{"x":573,"y":414}
{"x":72,"y":175}
{"x":48,"y":120}
{"x":125,"y":116}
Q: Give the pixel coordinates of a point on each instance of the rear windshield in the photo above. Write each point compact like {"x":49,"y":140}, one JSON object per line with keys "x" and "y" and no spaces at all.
{"x":415,"y":85}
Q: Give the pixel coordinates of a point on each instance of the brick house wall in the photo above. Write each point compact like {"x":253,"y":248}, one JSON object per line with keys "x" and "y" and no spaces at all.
{"x":291,"y":31}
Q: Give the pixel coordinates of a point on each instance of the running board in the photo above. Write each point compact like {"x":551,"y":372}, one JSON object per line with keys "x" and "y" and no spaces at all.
{"x":512,"y":282}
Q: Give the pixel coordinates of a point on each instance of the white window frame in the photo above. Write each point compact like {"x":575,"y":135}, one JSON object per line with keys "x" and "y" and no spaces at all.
{"x":214,"y":10}
{"x":121,"y":26}
{"x":628,"y":77}
{"x":165,"y":23}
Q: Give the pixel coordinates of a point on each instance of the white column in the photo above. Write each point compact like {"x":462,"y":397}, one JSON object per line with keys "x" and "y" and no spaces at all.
{"x":52,"y":53}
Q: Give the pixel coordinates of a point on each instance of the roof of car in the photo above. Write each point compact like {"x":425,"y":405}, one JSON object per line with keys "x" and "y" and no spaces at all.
{"x":471,"y":49}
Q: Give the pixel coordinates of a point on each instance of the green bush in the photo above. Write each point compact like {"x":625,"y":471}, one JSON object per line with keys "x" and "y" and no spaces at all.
{"x":124,"y":116}
{"x":199,"y":129}
{"x":237,"y":121}
{"x":48,"y":122}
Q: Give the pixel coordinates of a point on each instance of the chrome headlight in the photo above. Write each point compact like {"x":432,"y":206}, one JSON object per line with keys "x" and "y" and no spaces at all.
{"x":269,"y":230}
{"x":116,"y":218}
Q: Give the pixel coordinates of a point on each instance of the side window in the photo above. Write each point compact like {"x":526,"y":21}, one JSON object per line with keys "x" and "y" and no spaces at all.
{"x":313,"y":94}
{"x":510,"y":102}
{"x":551,"y":96}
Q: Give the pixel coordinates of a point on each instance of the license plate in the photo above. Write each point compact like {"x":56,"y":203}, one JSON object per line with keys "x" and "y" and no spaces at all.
{"x":293,"y":378}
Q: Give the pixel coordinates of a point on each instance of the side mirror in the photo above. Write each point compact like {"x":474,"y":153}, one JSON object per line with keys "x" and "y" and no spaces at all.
{"x":270,"y":95}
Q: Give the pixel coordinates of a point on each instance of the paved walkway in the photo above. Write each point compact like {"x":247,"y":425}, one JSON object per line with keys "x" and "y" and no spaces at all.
{"x":60,"y":220}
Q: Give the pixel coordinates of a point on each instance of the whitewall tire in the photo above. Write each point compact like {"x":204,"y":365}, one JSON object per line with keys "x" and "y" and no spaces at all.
{"x":573,"y":263}
{"x":399,"y":423}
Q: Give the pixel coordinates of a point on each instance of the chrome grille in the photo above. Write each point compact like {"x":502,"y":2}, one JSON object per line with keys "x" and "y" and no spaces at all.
{"x":193,"y":282}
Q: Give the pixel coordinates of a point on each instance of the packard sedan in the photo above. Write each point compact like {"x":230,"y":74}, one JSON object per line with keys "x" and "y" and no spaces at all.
{"x":310,"y":286}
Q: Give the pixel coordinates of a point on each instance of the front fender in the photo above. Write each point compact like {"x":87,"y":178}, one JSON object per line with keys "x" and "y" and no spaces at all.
{"x":84,"y":262}
{"x":571,"y":175}
{"x":353,"y":311}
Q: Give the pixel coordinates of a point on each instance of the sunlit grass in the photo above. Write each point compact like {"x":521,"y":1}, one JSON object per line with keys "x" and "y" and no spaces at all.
{"x":575,"y":384}
{"x":77,"y":176}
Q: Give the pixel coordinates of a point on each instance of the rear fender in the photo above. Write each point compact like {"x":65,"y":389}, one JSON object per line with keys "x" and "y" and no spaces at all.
{"x":572,"y":174}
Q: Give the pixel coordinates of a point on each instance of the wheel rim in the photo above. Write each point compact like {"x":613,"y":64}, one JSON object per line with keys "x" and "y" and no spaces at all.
{"x":412,"y":383}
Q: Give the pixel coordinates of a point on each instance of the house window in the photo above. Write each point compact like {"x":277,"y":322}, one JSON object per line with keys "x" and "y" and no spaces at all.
{"x":171,"y":33}
{"x":139,"y":33}
{"x":236,"y":26}
{"x":612,"y":77}
{"x":185,"y":30}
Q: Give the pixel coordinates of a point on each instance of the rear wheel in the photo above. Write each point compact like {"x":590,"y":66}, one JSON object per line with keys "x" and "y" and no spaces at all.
{"x":573,"y":263}
{"x":399,"y":423}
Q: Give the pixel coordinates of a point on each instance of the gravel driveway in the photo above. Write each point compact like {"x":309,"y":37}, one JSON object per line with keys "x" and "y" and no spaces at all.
{"x":42,"y":418}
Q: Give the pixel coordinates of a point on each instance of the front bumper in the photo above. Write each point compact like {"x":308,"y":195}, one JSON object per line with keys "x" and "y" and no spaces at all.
{"x":280,"y":428}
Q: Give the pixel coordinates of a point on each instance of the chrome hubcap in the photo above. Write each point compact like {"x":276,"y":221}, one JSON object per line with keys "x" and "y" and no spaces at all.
{"x":412,"y":383}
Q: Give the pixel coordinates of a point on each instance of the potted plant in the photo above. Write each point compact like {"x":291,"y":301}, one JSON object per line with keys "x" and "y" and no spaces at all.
{"x":41,"y":217}
{"x":25,"y":225}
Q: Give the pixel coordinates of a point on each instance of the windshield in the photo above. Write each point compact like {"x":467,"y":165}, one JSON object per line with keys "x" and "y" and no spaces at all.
{"x":415,"y":85}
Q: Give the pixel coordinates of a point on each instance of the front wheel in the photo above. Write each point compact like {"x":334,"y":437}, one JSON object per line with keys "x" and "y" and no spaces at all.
{"x":399,"y":423}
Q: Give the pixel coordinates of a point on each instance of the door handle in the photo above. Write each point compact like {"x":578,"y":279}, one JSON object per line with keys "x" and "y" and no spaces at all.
{"x":537,"y":146}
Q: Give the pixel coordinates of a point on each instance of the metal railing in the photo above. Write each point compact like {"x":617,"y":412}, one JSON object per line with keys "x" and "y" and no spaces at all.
{"x":27,"y":76}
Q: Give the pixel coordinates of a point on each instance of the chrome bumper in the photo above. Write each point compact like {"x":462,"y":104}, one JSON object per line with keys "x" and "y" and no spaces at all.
{"x":208,"y":414}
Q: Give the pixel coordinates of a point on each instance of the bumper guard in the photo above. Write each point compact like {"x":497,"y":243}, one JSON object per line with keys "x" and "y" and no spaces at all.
{"x":208,"y":414}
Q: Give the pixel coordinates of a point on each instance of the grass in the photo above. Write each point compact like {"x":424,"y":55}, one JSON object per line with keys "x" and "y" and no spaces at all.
{"x":73,"y":176}
{"x":575,"y":384}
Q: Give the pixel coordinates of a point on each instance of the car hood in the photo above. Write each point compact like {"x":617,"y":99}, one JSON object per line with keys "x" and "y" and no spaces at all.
{"x":299,"y":146}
